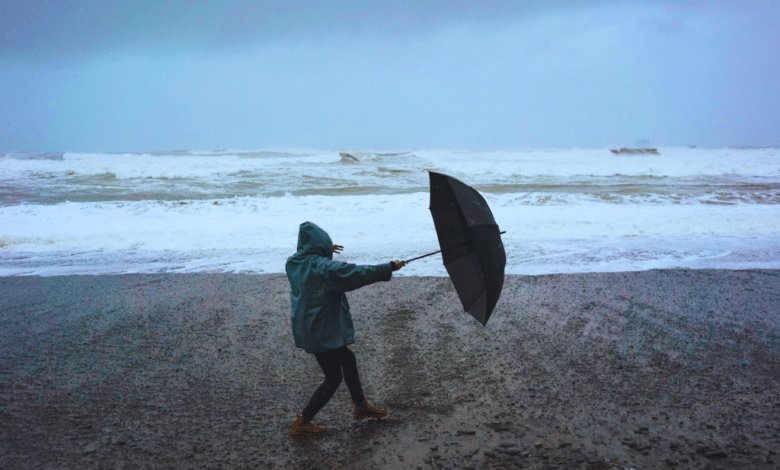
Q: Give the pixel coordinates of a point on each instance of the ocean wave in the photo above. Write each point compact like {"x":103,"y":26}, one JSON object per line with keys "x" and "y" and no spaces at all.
{"x":476,"y":167}
{"x":32,"y":156}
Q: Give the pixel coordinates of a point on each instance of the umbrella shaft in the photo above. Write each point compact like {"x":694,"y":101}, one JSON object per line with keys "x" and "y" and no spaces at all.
{"x":429,"y":254}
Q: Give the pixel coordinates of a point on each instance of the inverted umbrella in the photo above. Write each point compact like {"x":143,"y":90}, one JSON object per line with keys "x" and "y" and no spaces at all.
{"x":470,"y":242}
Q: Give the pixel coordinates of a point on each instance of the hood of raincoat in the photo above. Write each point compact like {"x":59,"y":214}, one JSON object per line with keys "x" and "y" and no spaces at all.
{"x":312,"y":240}
{"x":321,"y":320}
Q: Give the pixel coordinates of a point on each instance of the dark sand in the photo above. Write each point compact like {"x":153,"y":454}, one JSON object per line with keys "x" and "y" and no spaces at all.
{"x":656,"y":369}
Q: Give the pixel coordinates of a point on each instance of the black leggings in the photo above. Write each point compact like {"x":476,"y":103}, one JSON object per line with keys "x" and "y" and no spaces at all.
{"x":332,"y":363}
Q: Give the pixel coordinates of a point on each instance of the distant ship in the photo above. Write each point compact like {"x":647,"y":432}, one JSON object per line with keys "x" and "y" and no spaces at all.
{"x":631,"y":151}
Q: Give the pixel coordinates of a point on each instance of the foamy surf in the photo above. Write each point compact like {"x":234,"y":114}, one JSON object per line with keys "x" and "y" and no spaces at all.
{"x":575,"y":210}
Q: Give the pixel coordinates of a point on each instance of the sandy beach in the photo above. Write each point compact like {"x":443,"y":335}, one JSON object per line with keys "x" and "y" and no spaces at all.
{"x":644,"y":370}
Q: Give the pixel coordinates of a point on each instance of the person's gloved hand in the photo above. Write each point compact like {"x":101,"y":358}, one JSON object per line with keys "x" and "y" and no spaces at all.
{"x":397,"y":265}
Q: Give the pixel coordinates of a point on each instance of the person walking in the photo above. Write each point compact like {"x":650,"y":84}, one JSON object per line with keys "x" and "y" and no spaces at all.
{"x":322,"y":323}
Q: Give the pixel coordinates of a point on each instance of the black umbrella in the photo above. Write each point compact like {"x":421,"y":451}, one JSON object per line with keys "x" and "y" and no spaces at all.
{"x":470,"y":242}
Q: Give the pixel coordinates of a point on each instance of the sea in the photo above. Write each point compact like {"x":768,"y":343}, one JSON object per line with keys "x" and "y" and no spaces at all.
{"x":574,"y":210}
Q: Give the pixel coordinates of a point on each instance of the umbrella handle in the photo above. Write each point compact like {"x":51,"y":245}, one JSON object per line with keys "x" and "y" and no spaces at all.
{"x":429,"y":254}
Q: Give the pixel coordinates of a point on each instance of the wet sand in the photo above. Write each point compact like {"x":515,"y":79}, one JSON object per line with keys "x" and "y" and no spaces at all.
{"x":646,"y":370}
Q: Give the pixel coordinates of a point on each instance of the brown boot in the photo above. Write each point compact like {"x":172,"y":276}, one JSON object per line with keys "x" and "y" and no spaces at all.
{"x":364,"y":410}
{"x":300,"y":429}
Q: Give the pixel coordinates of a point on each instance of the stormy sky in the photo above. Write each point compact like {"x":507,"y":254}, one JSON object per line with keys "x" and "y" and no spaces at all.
{"x":112,"y":76}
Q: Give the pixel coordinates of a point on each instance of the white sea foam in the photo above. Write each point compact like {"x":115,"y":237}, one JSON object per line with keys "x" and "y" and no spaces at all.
{"x":256,"y":234}
{"x":575,"y":210}
{"x":674,"y":162}
{"x":481,"y":167}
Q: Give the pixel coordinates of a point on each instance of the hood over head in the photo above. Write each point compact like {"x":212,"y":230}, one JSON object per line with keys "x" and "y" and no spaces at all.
{"x":312,"y":240}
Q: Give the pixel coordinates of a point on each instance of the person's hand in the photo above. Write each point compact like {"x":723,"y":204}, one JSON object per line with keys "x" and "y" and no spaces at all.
{"x":337,"y":248}
{"x":398,"y":264}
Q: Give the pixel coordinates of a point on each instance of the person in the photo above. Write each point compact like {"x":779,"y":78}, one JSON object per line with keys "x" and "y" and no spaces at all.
{"x":322,"y":323}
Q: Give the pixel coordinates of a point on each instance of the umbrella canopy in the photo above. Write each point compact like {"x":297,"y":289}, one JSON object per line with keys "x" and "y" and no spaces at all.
{"x":470,"y":242}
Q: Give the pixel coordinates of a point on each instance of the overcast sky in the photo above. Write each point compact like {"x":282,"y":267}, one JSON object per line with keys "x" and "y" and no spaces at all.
{"x":108,"y":76}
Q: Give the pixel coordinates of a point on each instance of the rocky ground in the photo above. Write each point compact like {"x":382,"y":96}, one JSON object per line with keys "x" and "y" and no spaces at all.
{"x":656,"y":369}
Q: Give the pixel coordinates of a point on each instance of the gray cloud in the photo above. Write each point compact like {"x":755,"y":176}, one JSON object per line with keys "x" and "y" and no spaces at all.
{"x":56,"y":28}
{"x":101,"y":76}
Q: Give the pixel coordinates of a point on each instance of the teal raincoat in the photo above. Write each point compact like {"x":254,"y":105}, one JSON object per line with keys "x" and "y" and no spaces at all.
{"x":320,"y":312}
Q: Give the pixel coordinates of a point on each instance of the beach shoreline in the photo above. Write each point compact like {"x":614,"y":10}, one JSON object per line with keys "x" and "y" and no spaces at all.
{"x":641,"y":370}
